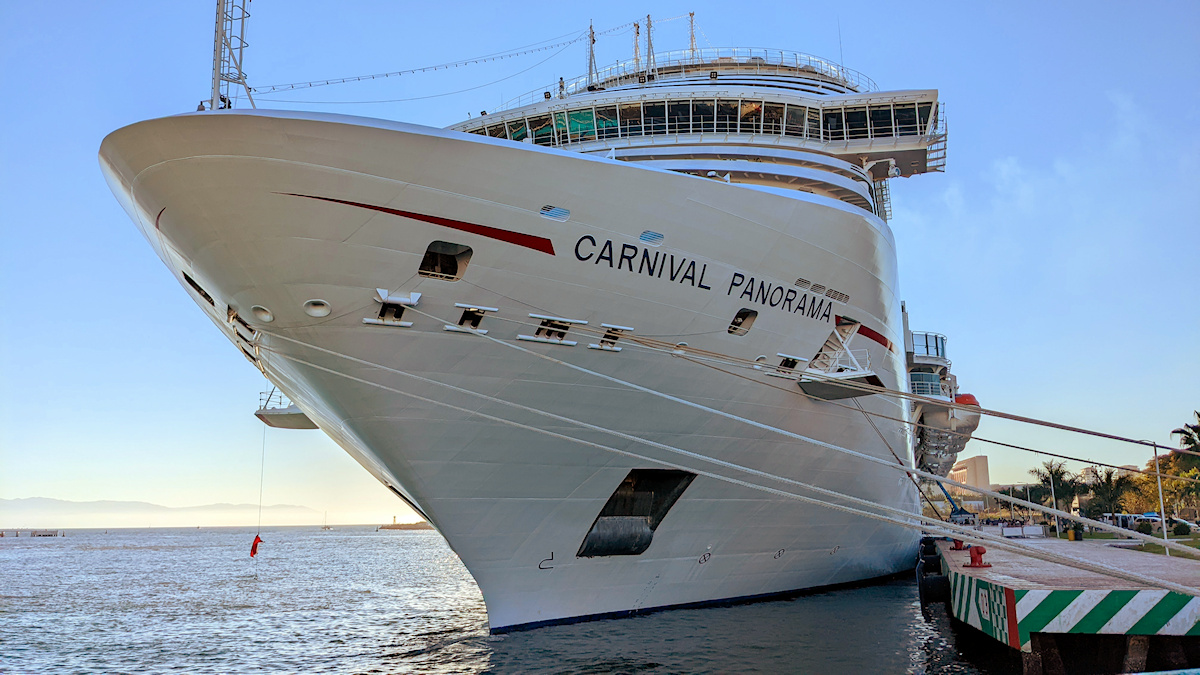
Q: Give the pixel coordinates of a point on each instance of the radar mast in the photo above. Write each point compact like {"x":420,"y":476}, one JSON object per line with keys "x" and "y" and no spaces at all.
{"x":229,"y":45}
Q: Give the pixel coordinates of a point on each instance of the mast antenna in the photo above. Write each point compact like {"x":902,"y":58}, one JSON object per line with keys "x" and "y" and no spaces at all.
{"x":229,"y":45}
{"x":650,"y":64}
{"x":637,"y":46}
{"x":692,"y":32}
{"x":592,"y":75}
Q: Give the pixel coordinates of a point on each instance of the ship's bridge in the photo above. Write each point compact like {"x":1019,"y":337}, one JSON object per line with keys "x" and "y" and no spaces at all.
{"x":765,"y":117}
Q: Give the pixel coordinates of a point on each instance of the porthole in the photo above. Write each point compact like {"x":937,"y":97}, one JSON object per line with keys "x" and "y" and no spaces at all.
{"x":262,"y":314}
{"x":317,"y":308}
{"x":742,"y":321}
{"x":444,"y":260}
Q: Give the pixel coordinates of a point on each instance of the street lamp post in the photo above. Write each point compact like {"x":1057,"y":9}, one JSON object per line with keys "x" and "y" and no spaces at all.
{"x":1162,"y":510}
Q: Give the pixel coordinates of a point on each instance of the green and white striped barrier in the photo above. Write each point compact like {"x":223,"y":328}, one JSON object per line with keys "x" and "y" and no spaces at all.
{"x":1012,"y":615}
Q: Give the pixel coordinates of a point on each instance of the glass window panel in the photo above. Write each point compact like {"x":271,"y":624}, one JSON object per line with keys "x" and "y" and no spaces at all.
{"x":906,"y":119}
{"x":727,"y":116}
{"x":773,"y":118}
{"x":582,"y":124}
{"x":655,"y":116}
{"x":794,"y":125}
{"x":631,"y":119}
{"x":517,"y":130}
{"x":542,"y":130}
{"x":606,"y":122}
{"x":856,"y":122}
{"x":560,"y":127}
{"x":703,"y":116}
{"x":881,"y":121}
{"x":679,"y":116}
{"x":813,"y":130}
{"x":476,"y":130}
{"x":832,"y":123}
{"x":923,"y":110}
{"x":497,"y":131}
{"x":751,"y":115}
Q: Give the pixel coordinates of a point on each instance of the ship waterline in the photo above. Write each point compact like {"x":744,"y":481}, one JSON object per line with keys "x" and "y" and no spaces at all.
{"x":399,"y":283}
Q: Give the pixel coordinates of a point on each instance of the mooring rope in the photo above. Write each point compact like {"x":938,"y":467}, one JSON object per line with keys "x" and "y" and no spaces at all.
{"x":903,"y":519}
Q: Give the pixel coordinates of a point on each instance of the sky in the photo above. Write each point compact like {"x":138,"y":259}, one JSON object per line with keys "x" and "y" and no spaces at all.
{"x":1058,"y":252}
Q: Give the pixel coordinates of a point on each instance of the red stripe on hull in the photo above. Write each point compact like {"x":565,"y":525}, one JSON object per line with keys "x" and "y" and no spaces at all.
{"x":541,"y":244}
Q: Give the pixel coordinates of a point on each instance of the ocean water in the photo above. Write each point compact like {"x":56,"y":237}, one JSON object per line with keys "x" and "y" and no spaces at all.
{"x":357,"y":600}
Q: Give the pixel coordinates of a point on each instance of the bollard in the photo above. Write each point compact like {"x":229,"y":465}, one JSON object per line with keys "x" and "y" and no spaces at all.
{"x":977,"y":557}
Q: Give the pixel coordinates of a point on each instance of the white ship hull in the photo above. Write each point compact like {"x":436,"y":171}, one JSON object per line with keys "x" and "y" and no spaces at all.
{"x":275,"y":209}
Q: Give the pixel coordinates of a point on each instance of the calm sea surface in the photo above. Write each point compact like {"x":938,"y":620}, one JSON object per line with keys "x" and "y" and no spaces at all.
{"x":354,"y":600}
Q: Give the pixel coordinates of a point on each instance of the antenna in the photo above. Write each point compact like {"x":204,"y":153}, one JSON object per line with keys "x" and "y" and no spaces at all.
{"x":229,"y":45}
{"x":650,"y":64}
{"x":592,"y":75}
{"x":692,"y":32}
{"x":637,"y":46}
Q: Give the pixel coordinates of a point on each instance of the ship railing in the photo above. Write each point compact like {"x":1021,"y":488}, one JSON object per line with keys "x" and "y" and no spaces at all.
{"x":928,"y":386}
{"x":679,"y":62}
{"x":844,"y":362}
{"x":274,"y":399}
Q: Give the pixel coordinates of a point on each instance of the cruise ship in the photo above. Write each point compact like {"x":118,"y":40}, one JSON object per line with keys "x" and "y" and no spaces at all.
{"x":599,"y":338}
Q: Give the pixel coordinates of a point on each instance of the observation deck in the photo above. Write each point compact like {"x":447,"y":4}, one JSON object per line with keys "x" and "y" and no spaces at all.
{"x":752,"y":116}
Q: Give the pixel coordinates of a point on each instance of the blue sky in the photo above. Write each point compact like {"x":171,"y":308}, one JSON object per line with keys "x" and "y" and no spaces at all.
{"x":1058,"y":252}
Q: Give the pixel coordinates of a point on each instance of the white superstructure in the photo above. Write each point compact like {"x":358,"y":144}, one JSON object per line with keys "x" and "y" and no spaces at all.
{"x":506,"y":321}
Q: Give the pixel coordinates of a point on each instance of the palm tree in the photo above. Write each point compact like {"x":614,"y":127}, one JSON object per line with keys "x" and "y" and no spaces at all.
{"x":1109,"y":491}
{"x":1189,"y":435}
{"x":1062,"y":484}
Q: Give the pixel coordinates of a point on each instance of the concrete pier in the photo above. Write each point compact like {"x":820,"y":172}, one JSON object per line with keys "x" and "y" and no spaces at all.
{"x":1066,"y":620}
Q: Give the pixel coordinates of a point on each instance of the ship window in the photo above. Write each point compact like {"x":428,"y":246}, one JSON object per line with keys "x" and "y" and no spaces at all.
{"x":727,"y":115}
{"x":794,"y":120}
{"x":560,"y":127}
{"x":476,"y":130}
{"x":199,"y":291}
{"x":923,"y":110}
{"x":906,"y":119}
{"x":742,"y":321}
{"x":813,"y":130}
{"x":751,"y":114}
{"x":773,"y":118}
{"x":631,"y":119}
{"x":497,"y":131}
{"x":832,"y":120}
{"x":606,"y":122}
{"x":543,"y":132}
{"x":627,"y":523}
{"x":444,"y":260}
{"x":517,"y":130}
{"x":655,"y":114}
{"x":881,"y":121}
{"x":582,"y":124}
{"x":703,"y":115}
{"x":856,"y":122}
{"x":679,"y":117}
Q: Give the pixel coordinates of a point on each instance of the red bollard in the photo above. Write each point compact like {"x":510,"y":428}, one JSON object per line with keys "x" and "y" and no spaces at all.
{"x":977,"y":557}
{"x":957,"y":545}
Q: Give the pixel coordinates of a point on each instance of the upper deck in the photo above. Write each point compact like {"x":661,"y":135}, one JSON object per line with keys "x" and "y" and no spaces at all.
{"x":767,"y":117}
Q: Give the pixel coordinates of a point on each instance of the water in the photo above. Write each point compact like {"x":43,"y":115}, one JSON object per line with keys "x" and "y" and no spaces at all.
{"x":356,"y":600}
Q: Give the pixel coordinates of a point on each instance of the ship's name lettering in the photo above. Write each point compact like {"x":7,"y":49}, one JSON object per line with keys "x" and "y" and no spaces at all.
{"x":786,"y":299}
{"x":640,"y":260}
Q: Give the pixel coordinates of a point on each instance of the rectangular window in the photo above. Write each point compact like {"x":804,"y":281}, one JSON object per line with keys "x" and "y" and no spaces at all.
{"x":679,"y":117}
{"x":906,"y":119}
{"x":856,"y":122}
{"x":582,"y":124}
{"x":751,"y":117}
{"x":923,"y":110}
{"x":703,"y":116}
{"x":794,"y":122}
{"x":560,"y":127}
{"x":542,"y":130}
{"x":517,"y":130}
{"x":881,"y":121}
{"x":832,"y":123}
{"x":655,"y":114}
{"x":631,"y":119}
{"x":497,"y":131}
{"x":606,"y":122}
{"x":773,"y":118}
{"x":813,"y":130}
{"x":727,"y":116}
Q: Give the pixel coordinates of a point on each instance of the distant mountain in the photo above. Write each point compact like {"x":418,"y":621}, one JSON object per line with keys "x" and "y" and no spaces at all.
{"x":43,"y":512}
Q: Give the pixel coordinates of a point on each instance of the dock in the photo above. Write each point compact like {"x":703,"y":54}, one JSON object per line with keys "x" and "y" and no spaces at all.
{"x":1066,"y":620}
